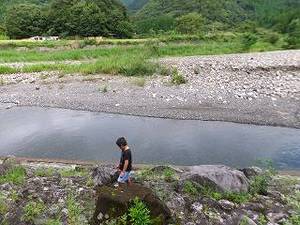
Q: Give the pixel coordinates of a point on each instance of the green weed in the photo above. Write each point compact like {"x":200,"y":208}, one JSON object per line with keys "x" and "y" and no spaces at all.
{"x":32,"y":210}
{"x":169,"y":174}
{"x":74,"y":210}
{"x":15,"y":175}
{"x":3,"y":206}
{"x":139,"y":214}
{"x":53,"y":222}
{"x":177,"y":78}
{"x":262,"y":220}
{"x":14,"y":195}
{"x":44,"y":172}
{"x":2,"y":82}
{"x":7,"y":70}
{"x":190,"y":188}
{"x":73,"y":172}
{"x":103,"y":89}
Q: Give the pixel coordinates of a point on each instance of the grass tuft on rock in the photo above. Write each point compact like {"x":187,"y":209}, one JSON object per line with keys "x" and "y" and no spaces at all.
{"x":177,"y":78}
{"x":32,"y":210}
{"x":74,"y":210}
{"x":15,"y":175}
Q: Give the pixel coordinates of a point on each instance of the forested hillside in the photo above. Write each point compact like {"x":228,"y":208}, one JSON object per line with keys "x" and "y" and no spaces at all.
{"x":26,"y":18}
{"x":230,"y":12}
{"x":134,"y":5}
{"x":5,"y":4}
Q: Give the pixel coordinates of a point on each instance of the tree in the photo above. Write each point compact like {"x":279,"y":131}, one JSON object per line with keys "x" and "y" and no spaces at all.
{"x":293,"y":39}
{"x":157,"y":24}
{"x":191,"y":23}
{"x":24,"y":20}
{"x":88,"y":18}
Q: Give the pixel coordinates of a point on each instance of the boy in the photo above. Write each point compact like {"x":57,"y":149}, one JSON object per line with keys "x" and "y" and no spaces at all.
{"x":125,"y":165}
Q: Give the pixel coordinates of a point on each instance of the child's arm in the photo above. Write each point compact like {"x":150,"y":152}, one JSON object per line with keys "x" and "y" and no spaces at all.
{"x":125,"y":166}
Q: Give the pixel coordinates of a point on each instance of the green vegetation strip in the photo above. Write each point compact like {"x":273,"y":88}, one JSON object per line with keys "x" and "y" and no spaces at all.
{"x":132,"y":60}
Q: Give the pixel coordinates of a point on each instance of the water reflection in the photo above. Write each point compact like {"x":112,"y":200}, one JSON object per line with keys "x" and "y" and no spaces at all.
{"x":57,"y":133}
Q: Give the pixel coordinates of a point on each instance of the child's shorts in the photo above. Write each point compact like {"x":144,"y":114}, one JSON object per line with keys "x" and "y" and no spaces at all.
{"x":125,"y":177}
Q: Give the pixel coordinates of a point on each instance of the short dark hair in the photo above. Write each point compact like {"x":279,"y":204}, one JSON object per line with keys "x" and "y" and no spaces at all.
{"x":121,"y":142}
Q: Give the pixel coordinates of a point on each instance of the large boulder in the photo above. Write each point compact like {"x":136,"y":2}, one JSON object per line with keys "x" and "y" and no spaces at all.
{"x":115,"y":202}
{"x":222,"y":178}
{"x":104,"y":175}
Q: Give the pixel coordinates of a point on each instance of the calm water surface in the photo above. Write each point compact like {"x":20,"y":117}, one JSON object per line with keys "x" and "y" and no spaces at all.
{"x":67,"y":134}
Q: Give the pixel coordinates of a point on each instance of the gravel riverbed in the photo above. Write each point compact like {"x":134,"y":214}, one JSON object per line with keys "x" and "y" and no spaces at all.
{"x":256,"y":88}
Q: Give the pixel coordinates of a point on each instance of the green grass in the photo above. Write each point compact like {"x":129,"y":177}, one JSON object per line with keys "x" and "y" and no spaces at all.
{"x":116,"y":52}
{"x":73,"y":173}
{"x":190,"y":188}
{"x":7,"y":70}
{"x":177,"y":78}
{"x":15,"y":175}
{"x":44,"y":172}
{"x":293,"y":200}
{"x":3,"y":205}
{"x":195,"y":190}
{"x":32,"y":210}
{"x":53,"y":222}
{"x":131,"y":59}
{"x":169,"y":175}
{"x":74,"y":210}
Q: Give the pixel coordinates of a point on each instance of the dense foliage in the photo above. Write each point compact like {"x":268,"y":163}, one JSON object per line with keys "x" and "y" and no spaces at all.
{"x":68,"y":18}
{"x":270,"y":20}
{"x":134,"y":5}
{"x":236,"y":15}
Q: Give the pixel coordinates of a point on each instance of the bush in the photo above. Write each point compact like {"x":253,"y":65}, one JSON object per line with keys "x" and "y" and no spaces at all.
{"x":248,"y":40}
{"x":177,"y":78}
{"x":191,"y":23}
{"x":32,"y":210}
{"x":24,"y":20}
{"x":139,"y":214}
{"x":272,"y":37}
{"x":169,"y":174}
{"x":190,"y":188}
{"x":138,"y":69}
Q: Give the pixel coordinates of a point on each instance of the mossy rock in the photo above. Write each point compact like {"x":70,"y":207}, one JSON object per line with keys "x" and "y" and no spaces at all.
{"x":114,"y":202}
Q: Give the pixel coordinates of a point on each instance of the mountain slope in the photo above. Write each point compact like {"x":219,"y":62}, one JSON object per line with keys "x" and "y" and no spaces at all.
{"x":5,"y":4}
{"x":228,"y":11}
{"x":134,"y":5}
{"x":225,"y":11}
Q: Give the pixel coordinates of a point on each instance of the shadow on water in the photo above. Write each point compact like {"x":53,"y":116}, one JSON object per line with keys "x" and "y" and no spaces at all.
{"x":67,"y":134}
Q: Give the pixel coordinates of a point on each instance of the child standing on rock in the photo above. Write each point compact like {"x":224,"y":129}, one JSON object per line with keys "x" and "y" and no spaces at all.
{"x":125,"y":165}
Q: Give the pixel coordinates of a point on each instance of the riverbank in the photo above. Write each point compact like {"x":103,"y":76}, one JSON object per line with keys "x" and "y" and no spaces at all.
{"x":44,"y":192}
{"x":255,"y":88}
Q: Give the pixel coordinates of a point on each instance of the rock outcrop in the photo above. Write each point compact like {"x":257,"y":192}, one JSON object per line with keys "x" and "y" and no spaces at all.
{"x":104,"y":175}
{"x":115,"y":202}
{"x":222,"y":178}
